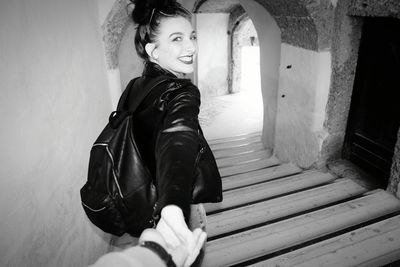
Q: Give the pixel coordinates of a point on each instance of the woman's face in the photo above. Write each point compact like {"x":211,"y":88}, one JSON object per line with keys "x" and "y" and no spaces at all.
{"x":176,"y":45}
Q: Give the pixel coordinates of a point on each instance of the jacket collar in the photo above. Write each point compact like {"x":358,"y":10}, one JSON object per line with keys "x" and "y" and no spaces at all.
{"x":152,"y":69}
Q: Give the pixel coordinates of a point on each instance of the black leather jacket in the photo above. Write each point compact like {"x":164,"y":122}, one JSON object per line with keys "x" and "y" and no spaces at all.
{"x":172,"y":144}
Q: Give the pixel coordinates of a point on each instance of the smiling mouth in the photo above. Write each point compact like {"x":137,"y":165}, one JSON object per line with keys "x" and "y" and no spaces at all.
{"x":186,"y":59}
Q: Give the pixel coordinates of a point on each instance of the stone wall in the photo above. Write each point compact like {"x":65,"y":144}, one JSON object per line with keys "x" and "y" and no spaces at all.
{"x":371,"y":8}
{"x":394,"y":182}
{"x":346,"y":37}
{"x":345,"y":42}
{"x":240,"y":37}
{"x":55,"y":100}
{"x":305,"y":24}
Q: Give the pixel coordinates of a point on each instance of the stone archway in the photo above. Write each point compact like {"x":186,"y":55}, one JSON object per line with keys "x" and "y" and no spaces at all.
{"x":294,"y":103}
{"x":302,"y":24}
{"x":269,"y":50}
{"x":238,"y":40}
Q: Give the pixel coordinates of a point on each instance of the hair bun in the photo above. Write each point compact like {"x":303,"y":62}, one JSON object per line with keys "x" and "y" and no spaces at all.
{"x":143,"y":9}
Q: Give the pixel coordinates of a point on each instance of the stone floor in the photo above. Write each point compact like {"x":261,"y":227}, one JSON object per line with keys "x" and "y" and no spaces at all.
{"x":231,"y":115}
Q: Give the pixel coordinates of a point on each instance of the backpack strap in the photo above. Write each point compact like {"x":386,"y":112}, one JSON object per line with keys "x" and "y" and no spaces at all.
{"x":122,"y":112}
{"x":125,"y":93}
{"x":142,"y":93}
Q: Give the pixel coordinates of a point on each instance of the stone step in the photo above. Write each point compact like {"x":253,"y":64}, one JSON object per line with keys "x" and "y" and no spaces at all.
{"x":258,"y":176}
{"x":258,"y":192}
{"x":232,"y":220}
{"x":377,"y":244}
{"x":254,"y":243}
{"x":245,"y":158}
{"x":235,"y":151}
{"x":235,"y":143}
{"x":233,"y":138}
{"x":249,"y":166}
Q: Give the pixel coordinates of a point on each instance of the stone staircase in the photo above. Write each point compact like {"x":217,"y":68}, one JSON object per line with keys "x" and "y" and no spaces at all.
{"x":275,"y":214}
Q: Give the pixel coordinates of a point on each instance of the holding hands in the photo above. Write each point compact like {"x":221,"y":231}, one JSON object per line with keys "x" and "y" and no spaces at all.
{"x":181,"y":243}
{"x":172,"y":241}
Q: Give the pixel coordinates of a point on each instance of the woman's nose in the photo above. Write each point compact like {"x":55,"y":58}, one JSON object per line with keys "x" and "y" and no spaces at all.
{"x":191,"y":46}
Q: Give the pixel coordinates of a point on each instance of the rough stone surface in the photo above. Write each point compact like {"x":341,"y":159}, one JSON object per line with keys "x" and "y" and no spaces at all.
{"x":114,"y":28}
{"x":240,"y":37}
{"x":373,"y":8}
{"x":345,"y":43}
{"x":237,"y":15}
{"x":322,"y":13}
{"x":298,"y":31}
{"x":293,"y":18}
{"x":394,"y":180}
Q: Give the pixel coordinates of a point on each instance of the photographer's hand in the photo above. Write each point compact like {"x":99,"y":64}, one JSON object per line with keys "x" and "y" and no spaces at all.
{"x":177,"y":235}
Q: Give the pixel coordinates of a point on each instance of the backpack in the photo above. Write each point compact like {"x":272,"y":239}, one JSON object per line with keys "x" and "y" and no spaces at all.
{"x":119,"y":195}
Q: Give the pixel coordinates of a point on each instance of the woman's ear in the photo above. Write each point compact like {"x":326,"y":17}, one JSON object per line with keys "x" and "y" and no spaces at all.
{"x":151,"y":51}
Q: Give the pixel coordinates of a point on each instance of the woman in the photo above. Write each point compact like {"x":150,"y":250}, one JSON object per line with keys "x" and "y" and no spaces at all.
{"x":167,"y":131}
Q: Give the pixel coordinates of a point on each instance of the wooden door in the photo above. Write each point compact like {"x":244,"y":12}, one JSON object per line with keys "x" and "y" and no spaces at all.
{"x":375,"y":108}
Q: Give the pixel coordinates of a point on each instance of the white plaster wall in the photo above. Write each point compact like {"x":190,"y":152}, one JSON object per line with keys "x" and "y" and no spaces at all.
{"x":54,"y":101}
{"x":213,"y":53}
{"x":250,"y":69}
{"x":303,"y":95}
{"x":270,"y":49}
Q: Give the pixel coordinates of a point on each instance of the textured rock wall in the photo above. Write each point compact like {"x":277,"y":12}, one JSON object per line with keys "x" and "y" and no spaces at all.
{"x":240,"y":37}
{"x":237,"y":15}
{"x":305,"y":24}
{"x":381,"y":8}
{"x":345,"y":42}
{"x":114,"y":29}
{"x":394,"y":181}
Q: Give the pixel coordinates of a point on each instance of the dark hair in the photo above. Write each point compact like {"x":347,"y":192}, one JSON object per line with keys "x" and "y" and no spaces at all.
{"x":148,"y":14}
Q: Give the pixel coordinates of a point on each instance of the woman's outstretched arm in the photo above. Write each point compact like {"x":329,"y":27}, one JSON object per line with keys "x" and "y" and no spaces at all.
{"x":177,"y":147}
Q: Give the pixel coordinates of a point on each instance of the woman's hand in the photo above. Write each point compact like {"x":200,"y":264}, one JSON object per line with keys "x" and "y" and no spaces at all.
{"x":183,"y":244}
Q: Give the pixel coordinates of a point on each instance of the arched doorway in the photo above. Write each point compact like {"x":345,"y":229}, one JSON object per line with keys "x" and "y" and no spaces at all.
{"x":269,"y":54}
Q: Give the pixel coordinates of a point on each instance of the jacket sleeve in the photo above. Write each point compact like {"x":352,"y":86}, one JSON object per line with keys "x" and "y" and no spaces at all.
{"x":134,"y":256}
{"x":177,"y":147}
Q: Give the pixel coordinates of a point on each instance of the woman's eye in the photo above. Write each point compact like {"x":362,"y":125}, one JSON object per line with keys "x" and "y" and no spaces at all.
{"x":177,"y":39}
{"x":194,"y":37}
